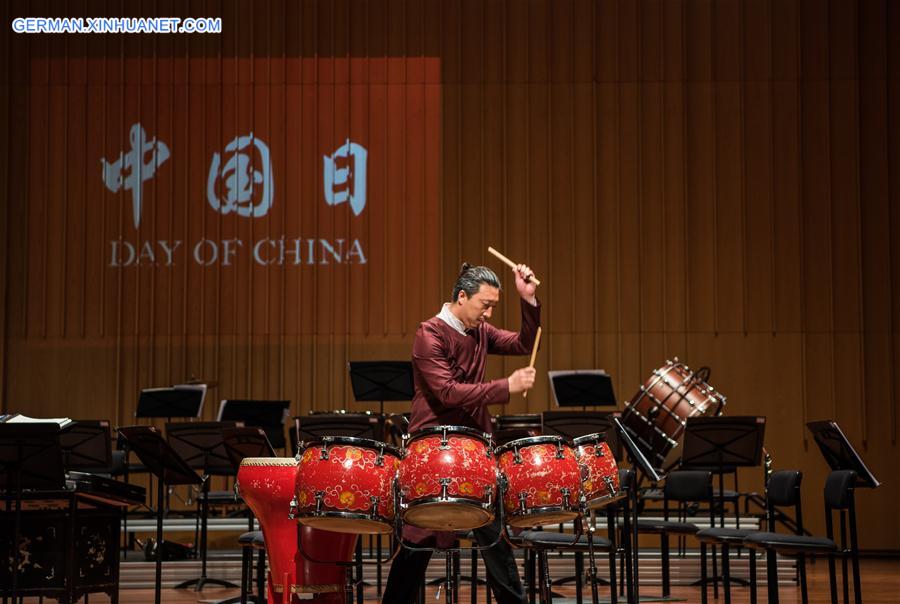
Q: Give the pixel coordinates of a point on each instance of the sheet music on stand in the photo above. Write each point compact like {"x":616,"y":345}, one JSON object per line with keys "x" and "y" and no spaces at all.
{"x":582,"y":388}
{"x":177,"y":401}
{"x":839,"y":454}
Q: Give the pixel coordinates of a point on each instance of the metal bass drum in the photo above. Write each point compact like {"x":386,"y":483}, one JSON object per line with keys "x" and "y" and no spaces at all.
{"x":657,"y":414}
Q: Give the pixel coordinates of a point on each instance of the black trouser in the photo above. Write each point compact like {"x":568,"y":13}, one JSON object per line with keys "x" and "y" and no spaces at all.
{"x":408,"y":571}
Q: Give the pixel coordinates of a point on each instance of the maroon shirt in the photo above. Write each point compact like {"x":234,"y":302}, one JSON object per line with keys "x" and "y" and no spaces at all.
{"x":448,"y":369}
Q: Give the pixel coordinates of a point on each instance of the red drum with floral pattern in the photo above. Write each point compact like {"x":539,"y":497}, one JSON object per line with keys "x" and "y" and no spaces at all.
{"x":601,"y":472}
{"x":448,"y":479}
{"x":543,"y":481}
{"x":267,"y":486}
{"x":345,"y":485}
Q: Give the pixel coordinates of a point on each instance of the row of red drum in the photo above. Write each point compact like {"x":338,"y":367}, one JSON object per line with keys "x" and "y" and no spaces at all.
{"x":448,"y":479}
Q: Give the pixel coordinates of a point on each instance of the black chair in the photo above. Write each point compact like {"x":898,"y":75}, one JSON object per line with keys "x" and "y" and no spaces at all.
{"x":684,"y":487}
{"x":782,"y":490}
{"x":839,"y":496}
{"x":543,"y":542}
{"x":250,"y":541}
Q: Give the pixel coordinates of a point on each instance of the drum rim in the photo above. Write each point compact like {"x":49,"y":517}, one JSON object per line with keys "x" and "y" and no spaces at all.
{"x":532,"y":440}
{"x":451,"y":430}
{"x":518,"y":513}
{"x":375,"y":517}
{"x":262,"y":462}
{"x":600,"y":437}
{"x":365,"y":443}
{"x":471,"y":502}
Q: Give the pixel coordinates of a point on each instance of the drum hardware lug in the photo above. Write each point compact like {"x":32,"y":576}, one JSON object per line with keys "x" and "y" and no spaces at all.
{"x":445,"y":442}
{"x":489,"y":494}
{"x":490,"y":444}
{"x":292,"y":509}
{"x":523,"y":507}
{"x":445,"y":484}
{"x":320,"y":499}
{"x":609,"y":486}
{"x":565,"y":493}
{"x":326,"y":440}
{"x":598,"y":451}
{"x":379,"y":459}
{"x":559,"y":450}
{"x":517,"y":459}
{"x":374,"y":499}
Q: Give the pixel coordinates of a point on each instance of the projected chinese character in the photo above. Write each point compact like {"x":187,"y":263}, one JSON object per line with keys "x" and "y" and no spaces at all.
{"x":345,"y":176}
{"x":138,"y":170}
{"x":246,"y":179}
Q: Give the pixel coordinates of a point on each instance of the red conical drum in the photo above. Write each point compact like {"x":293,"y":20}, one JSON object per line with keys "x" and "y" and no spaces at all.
{"x":267,"y":486}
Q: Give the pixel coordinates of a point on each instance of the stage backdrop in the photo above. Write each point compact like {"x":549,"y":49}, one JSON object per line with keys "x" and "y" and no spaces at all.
{"x":716,"y":181}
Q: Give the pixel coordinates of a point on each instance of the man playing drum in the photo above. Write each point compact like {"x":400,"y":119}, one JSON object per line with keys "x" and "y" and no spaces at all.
{"x":449,"y":356}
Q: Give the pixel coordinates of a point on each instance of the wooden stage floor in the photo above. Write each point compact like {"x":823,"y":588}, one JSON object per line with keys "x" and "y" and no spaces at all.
{"x":880,"y":580}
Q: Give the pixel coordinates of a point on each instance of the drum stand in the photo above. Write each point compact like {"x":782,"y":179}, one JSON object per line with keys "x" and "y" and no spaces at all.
{"x":450,"y":588}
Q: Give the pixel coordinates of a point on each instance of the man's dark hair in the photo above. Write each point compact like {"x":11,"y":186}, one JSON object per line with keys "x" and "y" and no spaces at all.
{"x":470,"y":279}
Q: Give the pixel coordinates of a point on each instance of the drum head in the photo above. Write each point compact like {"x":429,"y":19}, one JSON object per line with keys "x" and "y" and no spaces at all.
{"x":443,"y":516}
{"x":356,"y":526}
{"x":542,"y":518}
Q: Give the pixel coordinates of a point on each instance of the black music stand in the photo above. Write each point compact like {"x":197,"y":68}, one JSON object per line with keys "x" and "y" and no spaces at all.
{"x":201,"y":446}
{"x":572,"y":424}
{"x":178,"y":401}
{"x":268,"y":415}
{"x":30,"y":458}
{"x":839,"y":454}
{"x":245,"y":442}
{"x":381,"y":381}
{"x":721,"y":443}
{"x":313,"y":427}
{"x":86,"y":446}
{"x":169,"y":468}
{"x":582,"y":388}
{"x":640,"y":461}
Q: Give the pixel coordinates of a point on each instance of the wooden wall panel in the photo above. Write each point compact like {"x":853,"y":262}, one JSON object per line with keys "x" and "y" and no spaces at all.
{"x":710,"y":179}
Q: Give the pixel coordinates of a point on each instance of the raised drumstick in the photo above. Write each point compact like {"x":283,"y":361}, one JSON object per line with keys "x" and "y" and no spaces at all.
{"x":511,"y":264}
{"x":537,"y":341}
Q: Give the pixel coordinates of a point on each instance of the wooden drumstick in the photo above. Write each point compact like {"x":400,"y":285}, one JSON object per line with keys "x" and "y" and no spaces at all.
{"x":537,"y":341}
{"x":511,"y":264}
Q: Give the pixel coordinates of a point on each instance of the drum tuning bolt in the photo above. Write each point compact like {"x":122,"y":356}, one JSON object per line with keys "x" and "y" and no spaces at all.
{"x":445,"y":484}
{"x":565,"y":493}
{"x":320,"y":500}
